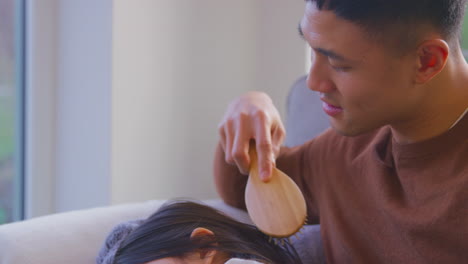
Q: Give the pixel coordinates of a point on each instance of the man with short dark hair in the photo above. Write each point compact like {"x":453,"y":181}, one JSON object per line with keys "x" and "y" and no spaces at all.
{"x":389,"y":182}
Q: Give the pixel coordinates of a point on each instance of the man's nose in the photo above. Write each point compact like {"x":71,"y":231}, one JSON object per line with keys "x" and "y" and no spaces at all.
{"x":318,"y":79}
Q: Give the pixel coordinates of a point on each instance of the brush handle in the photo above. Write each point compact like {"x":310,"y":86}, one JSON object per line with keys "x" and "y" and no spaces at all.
{"x":276,"y":207}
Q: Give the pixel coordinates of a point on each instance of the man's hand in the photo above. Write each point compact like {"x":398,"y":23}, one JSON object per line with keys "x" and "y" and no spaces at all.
{"x":252,"y":116}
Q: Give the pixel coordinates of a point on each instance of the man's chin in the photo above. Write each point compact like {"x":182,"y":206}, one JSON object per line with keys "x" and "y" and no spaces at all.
{"x":351,"y":131}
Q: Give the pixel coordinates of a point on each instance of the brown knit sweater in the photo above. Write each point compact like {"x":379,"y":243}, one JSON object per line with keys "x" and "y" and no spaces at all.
{"x":378,"y":201}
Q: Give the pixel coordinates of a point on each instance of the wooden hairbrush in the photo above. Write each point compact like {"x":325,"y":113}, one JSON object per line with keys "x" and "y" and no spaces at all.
{"x":276,"y":207}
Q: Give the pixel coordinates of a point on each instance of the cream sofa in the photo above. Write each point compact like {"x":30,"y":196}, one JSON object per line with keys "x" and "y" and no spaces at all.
{"x":75,"y":237}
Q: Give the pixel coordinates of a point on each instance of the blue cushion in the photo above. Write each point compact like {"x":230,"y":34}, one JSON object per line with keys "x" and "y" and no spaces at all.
{"x":305,"y":118}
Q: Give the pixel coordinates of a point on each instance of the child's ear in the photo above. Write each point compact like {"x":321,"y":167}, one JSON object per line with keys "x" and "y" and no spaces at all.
{"x":431,"y":59}
{"x":203,"y":235}
{"x":201,"y":231}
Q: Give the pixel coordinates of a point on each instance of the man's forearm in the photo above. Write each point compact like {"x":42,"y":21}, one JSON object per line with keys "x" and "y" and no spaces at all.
{"x":230,"y":183}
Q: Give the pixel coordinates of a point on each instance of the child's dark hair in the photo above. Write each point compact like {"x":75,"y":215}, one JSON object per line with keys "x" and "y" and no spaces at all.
{"x":167,"y":232}
{"x":380,"y":18}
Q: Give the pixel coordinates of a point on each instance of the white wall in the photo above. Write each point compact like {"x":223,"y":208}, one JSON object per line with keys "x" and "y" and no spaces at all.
{"x":176,"y":65}
{"x":124,"y":96}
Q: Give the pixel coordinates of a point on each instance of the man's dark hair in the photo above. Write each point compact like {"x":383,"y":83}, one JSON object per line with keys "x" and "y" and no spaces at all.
{"x":167,"y":232}
{"x":404,"y":17}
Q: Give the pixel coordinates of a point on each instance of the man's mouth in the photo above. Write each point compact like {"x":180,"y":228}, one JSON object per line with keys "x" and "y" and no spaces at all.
{"x":330,"y":109}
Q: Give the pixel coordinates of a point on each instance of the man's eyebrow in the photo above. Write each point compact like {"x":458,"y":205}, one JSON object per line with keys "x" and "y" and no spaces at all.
{"x":330,"y":54}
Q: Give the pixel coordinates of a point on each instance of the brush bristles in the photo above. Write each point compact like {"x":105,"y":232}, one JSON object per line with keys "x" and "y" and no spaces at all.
{"x":281,"y":240}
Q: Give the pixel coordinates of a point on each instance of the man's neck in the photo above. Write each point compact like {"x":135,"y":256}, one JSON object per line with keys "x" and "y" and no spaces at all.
{"x":460,"y":118}
{"x":442,"y":111}
{"x":420,"y":131}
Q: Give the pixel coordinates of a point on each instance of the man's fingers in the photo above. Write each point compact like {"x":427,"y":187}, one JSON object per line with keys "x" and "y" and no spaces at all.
{"x":265,"y":160}
{"x":241,"y":157}
{"x":240,"y":149}
{"x":251,"y":116}
{"x":277,"y":139}
{"x":229,"y":140}
{"x":264,"y":151}
{"x":222,"y":136}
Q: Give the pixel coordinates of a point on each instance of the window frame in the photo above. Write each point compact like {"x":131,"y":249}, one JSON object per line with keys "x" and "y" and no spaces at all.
{"x":40,"y":90}
{"x":20,"y":122}
{"x":59,"y":82}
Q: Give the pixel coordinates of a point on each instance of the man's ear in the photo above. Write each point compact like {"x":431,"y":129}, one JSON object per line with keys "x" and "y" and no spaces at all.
{"x":431,"y":59}
{"x":203,"y":235}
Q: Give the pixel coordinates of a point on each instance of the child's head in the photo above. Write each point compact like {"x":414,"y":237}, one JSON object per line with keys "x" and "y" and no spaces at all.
{"x":195,"y":233}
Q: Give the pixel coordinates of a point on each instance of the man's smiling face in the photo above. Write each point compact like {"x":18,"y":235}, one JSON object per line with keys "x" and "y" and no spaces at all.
{"x":363,"y":84}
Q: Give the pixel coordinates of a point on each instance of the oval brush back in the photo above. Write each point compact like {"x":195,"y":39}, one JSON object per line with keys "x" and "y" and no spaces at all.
{"x":276,"y":207}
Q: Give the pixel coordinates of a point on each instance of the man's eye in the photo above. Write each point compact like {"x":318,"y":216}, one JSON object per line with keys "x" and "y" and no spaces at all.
{"x":341,"y":68}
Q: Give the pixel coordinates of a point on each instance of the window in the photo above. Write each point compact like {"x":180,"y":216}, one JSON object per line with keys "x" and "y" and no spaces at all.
{"x":11,"y":110}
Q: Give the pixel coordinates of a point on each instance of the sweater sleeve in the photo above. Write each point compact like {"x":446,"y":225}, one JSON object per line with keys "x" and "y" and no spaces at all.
{"x":296,"y":162}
